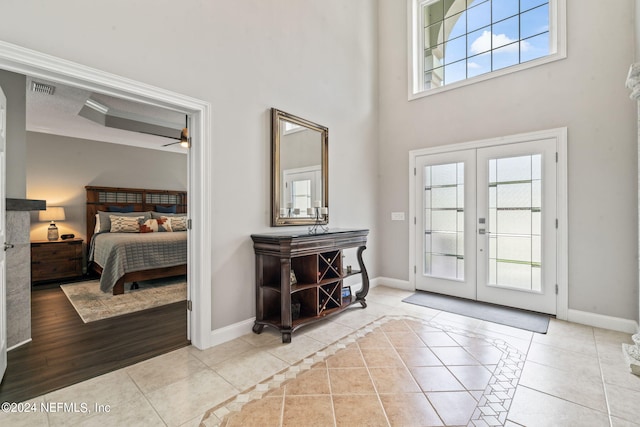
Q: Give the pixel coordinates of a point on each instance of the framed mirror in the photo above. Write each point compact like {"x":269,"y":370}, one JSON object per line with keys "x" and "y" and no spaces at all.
{"x":299,"y":171}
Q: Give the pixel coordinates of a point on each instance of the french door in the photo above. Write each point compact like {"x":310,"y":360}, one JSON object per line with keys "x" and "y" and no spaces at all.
{"x":486,"y":224}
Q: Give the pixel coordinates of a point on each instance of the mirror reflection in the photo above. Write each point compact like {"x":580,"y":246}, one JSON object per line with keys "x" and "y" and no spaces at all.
{"x":299,"y":171}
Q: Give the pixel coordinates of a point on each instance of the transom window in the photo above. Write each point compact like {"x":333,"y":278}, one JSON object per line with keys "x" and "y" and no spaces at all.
{"x":459,"y":40}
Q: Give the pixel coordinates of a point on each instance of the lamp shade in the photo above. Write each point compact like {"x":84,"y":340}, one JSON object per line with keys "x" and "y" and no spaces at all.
{"x":52,"y":213}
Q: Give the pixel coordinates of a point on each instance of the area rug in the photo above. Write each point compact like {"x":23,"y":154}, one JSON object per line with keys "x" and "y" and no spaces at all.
{"x":92,"y":304}
{"x":521,"y":319}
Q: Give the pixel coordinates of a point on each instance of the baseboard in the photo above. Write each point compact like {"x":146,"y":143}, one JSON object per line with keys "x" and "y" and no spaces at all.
{"x":601,"y":321}
{"x":19,"y":344}
{"x":405,"y":285}
{"x":230,"y":332}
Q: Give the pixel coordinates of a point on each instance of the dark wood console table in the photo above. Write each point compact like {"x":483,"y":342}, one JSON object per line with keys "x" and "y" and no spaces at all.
{"x":317,"y":291}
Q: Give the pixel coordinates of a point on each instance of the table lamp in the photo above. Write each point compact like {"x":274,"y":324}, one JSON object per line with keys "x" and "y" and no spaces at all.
{"x":52,"y":213}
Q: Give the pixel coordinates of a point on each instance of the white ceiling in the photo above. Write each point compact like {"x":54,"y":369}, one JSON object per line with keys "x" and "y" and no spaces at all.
{"x":57,"y":114}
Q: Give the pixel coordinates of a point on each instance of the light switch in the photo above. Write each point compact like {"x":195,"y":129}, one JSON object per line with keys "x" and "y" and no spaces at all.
{"x":397,"y":216}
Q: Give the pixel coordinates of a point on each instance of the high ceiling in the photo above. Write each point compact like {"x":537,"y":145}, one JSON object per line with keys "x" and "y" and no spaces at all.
{"x":58,"y":114}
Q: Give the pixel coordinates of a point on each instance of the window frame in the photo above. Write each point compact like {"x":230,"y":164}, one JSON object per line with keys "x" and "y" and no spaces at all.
{"x":415,"y":86}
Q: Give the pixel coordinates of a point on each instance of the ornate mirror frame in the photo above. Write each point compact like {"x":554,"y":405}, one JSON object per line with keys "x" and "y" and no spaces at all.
{"x":282,"y":213}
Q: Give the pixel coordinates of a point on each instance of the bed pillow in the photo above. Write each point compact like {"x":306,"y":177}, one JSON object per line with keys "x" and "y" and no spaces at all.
{"x":105,"y":222}
{"x":121,"y":209}
{"x":125,"y":224}
{"x":178,"y":222}
{"x":157,"y":215}
{"x":155,"y":225}
{"x":166,"y":209}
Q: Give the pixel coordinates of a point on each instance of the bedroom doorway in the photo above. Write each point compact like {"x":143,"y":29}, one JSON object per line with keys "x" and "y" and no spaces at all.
{"x":30,"y":63}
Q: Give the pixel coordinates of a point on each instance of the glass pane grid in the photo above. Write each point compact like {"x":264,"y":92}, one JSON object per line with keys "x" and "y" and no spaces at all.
{"x":444,"y":221}
{"x":515,"y":249}
{"x":498,"y":33}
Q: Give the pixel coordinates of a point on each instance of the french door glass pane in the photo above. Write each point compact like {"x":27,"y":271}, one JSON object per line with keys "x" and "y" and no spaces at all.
{"x":515,"y":212}
{"x":444,"y":221}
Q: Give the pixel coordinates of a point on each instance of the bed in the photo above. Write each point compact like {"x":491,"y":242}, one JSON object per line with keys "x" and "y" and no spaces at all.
{"x":129,"y":257}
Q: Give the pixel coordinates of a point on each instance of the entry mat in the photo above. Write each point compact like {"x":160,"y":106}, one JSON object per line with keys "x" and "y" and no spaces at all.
{"x":522,"y":319}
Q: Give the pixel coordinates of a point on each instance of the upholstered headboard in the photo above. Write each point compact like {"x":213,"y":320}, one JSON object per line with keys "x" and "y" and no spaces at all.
{"x":142,"y":200}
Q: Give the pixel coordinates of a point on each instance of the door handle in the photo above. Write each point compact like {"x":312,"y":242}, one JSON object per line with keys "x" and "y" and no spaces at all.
{"x":8,"y":246}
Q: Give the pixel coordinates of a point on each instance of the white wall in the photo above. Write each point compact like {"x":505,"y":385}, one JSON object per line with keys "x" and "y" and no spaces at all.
{"x":584,"y":92}
{"x":315,"y":58}
{"x":58,"y":168}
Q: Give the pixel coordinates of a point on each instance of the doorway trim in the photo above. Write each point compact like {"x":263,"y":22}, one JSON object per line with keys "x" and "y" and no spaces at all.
{"x":200,"y":162}
{"x":560,"y":135}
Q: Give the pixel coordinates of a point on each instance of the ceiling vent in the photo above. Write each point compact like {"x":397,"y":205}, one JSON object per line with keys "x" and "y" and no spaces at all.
{"x":42,"y":88}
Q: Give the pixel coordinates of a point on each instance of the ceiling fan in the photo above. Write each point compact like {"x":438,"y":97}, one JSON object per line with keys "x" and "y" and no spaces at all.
{"x":184,"y":141}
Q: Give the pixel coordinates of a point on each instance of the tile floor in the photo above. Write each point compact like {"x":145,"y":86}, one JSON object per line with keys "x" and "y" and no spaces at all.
{"x":468,"y":372}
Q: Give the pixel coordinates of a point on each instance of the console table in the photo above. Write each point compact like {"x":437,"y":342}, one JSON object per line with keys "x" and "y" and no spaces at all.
{"x":299,"y":277}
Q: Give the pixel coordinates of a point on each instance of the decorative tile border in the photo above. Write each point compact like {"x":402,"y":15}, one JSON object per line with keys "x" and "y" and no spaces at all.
{"x":493,"y":405}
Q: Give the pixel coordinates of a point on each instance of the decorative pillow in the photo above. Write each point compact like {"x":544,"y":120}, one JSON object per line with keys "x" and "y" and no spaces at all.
{"x":166,"y":209}
{"x":157,"y":215}
{"x":178,"y":223}
{"x":121,"y":209}
{"x":125,"y":224}
{"x":155,"y":225}
{"x":96,"y":229}
{"x":105,"y":222}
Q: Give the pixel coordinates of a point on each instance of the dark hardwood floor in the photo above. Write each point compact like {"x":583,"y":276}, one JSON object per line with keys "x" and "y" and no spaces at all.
{"x":65,"y":351}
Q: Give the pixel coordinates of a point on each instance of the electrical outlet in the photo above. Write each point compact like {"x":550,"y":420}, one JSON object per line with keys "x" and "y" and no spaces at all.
{"x":397,"y":216}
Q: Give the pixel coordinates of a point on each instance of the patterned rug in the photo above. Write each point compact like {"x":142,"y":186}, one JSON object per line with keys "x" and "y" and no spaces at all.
{"x":92,"y":304}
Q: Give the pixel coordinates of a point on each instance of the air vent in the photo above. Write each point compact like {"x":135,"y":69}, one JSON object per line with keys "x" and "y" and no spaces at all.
{"x":42,"y":88}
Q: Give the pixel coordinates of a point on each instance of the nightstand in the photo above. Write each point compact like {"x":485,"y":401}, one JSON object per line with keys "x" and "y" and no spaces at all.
{"x":56,"y":259}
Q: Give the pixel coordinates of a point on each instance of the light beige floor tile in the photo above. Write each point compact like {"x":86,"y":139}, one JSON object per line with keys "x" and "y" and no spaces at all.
{"x":221,"y":352}
{"x":25,"y":414}
{"x":115,"y":389}
{"x":195,"y":422}
{"x":301,"y":346}
{"x":504,"y":330}
{"x":584,"y":365}
{"x":472,"y":377}
{"x":325,"y":332}
{"x":533,"y":408}
{"x":588,"y":392}
{"x":623,"y":402}
{"x":355,"y":318}
{"x":182,"y":365}
{"x":455,"y":408}
{"x":618,"y":422}
{"x":581,"y":342}
{"x":250,"y":368}
{"x":268,"y":336}
{"x":454,"y":356}
{"x":618,"y":373}
{"x":457,"y":321}
{"x":436,"y":378}
{"x":136,"y":412}
{"x":178,"y":402}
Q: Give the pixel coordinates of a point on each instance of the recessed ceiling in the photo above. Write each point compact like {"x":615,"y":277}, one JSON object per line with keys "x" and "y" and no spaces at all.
{"x":58,"y":114}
